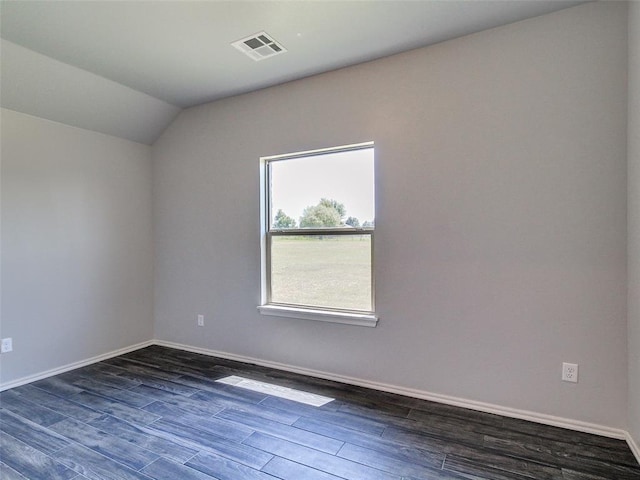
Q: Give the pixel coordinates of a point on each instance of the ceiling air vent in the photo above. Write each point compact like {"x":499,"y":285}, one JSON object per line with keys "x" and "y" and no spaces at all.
{"x":259,"y":46}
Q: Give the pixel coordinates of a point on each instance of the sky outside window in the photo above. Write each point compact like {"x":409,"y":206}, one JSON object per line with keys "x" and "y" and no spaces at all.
{"x":346,"y":177}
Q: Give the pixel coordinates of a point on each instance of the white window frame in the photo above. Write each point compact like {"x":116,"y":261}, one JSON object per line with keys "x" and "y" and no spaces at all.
{"x":266,"y":307}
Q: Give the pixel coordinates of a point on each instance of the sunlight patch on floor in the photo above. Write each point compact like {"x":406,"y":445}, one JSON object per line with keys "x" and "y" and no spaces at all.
{"x":276,"y":391}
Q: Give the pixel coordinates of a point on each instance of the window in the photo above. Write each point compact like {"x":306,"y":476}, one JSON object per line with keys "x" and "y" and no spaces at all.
{"x":318,"y":214}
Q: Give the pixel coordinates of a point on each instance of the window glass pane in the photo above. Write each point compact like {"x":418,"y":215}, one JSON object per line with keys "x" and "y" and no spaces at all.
{"x":322,"y":271}
{"x":323,"y":191}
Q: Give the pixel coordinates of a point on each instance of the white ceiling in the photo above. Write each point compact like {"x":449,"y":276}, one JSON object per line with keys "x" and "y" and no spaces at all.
{"x":180,"y":52}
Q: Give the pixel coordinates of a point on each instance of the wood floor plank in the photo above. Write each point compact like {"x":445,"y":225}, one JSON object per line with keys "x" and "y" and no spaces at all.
{"x":105,"y":444}
{"x":566,"y":448}
{"x":94,"y":466}
{"x":505,"y":463}
{"x":570,"y":445}
{"x":544,"y":454}
{"x":8,"y":473}
{"x":316,"y":459}
{"x":424,"y":438}
{"x":390,"y":463}
{"x":260,"y":411}
{"x":234,"y":431}
{"x":407,"y":453}
{"x":466,"y":467}
{"x":561,"y":434}
{"x":114,"y":408}
{"x":573,"y":475}
{"x":31,"y":433}
{"x":288,"y":470}
{"x":143,"y":438}
{"x":29,"y":462}
{"x":125,"y":396}
{"x":424,"y":408}
{"x":302,"y":437}
{"x":232,"y":393}
{"x":344,"y":419}
{"x":13,"y":402}
{"x":102,"y":368}
{"x":207,"y":442}
{"x":188,"y":404}
{"x":372,"y":409}
{"x":166,"y":410}
{"x":211,"y":385}
{"x":205,"y":369}
{"x":225,"y":469}
{"x":163,"y":469}
{"x":108,"y":375}
{"x":57,"y":386}
{"x":156,"y":355}
{"x":171,"y":386}
{"x":415,"y":455}
{"x":339,"y":432}
{"x":133,"y":368}
{"x":58,"y":404}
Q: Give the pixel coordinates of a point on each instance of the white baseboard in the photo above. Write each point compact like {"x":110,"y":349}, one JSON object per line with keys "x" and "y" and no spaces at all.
{"x":73,"y":366}
{"x":434,"y":397}
{"x":635,"y":448}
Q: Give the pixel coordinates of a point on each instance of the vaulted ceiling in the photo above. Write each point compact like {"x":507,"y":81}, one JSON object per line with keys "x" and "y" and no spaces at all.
{"x":127,"y":68}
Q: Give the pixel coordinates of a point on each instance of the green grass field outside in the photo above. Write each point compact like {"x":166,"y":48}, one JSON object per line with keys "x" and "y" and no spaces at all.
{"x":322,"y":272}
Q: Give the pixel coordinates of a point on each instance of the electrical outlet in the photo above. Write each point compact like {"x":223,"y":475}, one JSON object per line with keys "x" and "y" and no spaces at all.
{"x":570,"y":372}
{"x":7,"y":345}
{"x":201,"y":320}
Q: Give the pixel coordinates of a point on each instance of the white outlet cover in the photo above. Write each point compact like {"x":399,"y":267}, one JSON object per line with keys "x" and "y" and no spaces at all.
{"x":570,"y":372}
{"x":7,"y":345}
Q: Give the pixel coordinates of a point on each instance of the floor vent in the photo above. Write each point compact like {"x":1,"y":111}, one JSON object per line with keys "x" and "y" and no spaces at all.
{"x":276,"y":390}
{"x":259,"y":46}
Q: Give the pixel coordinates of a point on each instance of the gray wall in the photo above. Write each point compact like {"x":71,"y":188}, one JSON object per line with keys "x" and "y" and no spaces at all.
{"x":501,"y":212}
{"x":633,"y":247}
{"x":76,"y":244}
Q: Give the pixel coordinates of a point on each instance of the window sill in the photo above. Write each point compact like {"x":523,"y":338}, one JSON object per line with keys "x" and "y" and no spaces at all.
{"x":359,"y":319}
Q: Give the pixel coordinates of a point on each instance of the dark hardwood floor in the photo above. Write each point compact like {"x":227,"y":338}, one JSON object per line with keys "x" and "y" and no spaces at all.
{"x":158,"y":413}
